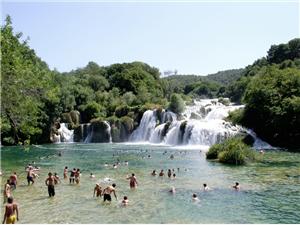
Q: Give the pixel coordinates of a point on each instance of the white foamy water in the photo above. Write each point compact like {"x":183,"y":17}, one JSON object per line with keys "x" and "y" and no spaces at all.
{"x":202,"y":126}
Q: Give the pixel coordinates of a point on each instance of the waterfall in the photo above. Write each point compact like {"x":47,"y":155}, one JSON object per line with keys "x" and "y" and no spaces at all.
{"x":98,"y":132}
{"x":203,"y":124}
{"x":64,"y":134}
{"x":146,"y":127}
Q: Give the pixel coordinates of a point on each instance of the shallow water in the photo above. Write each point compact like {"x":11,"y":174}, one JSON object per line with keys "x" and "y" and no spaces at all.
{"x":270,"y":190}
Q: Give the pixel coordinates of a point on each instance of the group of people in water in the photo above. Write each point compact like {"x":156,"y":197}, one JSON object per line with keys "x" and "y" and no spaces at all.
{"x":11,"y":214}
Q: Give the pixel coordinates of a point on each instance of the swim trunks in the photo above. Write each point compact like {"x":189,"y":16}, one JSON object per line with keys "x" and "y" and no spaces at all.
{"x":11,"y":219}
{"x":106,"y":197}
{"x":29,"y":178}
{"x":51,"y":190}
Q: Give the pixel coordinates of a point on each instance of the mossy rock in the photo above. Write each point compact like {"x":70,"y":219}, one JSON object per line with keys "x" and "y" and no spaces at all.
{"x":195,"y":116}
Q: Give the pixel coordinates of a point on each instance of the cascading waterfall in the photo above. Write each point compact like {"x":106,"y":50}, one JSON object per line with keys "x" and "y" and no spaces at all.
{"x":209,"y":128}
{"x":64,"y":134}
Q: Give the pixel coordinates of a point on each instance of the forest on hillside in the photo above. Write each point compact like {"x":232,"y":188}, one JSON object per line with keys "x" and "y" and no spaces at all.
{"x":35,"y":98}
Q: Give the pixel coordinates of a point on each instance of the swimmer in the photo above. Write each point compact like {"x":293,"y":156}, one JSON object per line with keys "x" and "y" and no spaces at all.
{"x":169,"y":173}
{"x":236,"y":186}
{"x":174,"y":176}
{"x":92,"y":175}
{"x":154,"y":173}
{"x":126,"y":163}
{"x":172,"y":190}
{"x":77,"y":176}
{"x":50,"y":182}
{"x":66,"y":172}
{"x":115,"y":166}
{"x":133,"y":182}
{"x":30,"y":176}
{"x":195,"y":198}
{"x":13,"y":180}
{"x":161,"y":174}
{"x":107,"y":192}
{"x":125,"y":201}
{"x":205,"y":187}
{"x":11,"y":214}
{"x":97,"y":190}
{"x":105,"y":164}
{"x":72,"y":176}
{"x":57,"y":179}
{"x":6,"y":191}
{"x":172,"y":156}
{"x":149,"y":156}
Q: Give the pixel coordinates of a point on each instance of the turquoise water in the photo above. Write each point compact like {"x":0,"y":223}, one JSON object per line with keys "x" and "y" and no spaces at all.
{"x":270,"y":190}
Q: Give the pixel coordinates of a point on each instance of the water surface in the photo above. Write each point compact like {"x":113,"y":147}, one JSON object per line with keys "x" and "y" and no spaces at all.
{"x":270,"y":190}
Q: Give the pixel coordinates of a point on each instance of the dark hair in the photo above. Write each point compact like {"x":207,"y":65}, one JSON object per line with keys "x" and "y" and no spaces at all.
{"x":125,"y":198}
{"x":236,"y":183}
{"x":66,"y":167}
{"x":8,"y":181}
{"x":194,"y":195}
{"x":49,"y":174}
{"x":114,"y":185}
{"x":204,"y":185}
{"x":10,"y":200}
{"x":132,"y":174}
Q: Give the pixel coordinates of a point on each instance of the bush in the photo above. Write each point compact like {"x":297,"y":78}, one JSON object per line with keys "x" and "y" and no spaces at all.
{"x":176,"y":104}
{"x":231,"y":151}
{"x":214,"y":151}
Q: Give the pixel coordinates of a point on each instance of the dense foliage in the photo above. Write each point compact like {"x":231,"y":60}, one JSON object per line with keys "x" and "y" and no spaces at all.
{"x":28,"y":90}
{"x":270,"y":89}
{"x":231,"y":151}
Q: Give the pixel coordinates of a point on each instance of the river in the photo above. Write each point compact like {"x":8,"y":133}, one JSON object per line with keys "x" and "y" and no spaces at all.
{"x":270,"y":189}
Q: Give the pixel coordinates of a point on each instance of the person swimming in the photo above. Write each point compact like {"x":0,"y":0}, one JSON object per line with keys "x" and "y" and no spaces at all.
{"x":125,"y":201}
{"x":107,"y":192}
{"x":161,"y":174}
{"x":97,"y":190}
{"x":92,"y":176}
{"x":174,"y":176}
{"x":72,"y":176}
{"x":6,"y":191}
{"x":57,"y":179}
{"x":205,"y":187}
{"x":154,"y":173}
{"x":66,"y":172}
{"x":195,"y":197}
{"x":169,"y":173}
{"x":236,"y":186}
{"x":172,"y":190}
{"x":132,"y":181}
{"x":30,"y":176}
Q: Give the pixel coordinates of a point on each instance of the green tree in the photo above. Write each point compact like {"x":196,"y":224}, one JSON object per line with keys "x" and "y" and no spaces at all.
{"x":176,"y":104}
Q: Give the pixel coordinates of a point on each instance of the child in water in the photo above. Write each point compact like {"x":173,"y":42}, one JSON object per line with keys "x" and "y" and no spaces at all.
{"x":125,"y":201}
{"x":97,"y":190}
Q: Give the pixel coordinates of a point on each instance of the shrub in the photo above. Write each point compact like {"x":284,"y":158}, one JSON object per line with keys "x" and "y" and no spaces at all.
{"x":231,"y":151}
{"x":176,"y":104}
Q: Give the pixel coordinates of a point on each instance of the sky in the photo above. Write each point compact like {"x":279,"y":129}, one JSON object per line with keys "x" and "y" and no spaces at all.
{"x":192,"y":37}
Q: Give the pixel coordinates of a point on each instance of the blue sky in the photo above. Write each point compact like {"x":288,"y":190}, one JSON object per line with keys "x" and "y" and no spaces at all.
{"x":193,"y":37}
